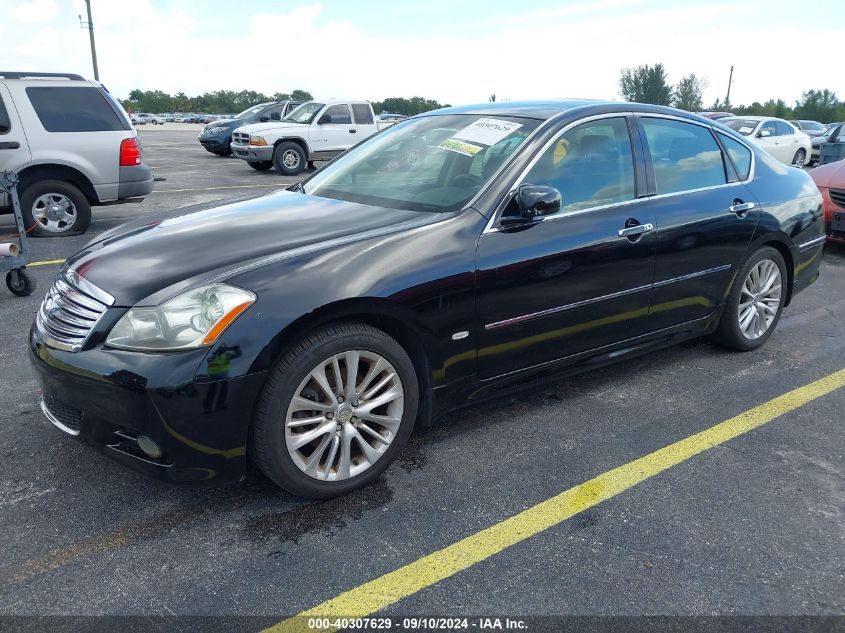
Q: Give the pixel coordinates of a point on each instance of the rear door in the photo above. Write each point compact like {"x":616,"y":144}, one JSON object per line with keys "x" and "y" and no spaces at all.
{"x":364,"y":121}
{"x":14,"y":150}
{"x":790,"y":141}
{"x":704,"y":215}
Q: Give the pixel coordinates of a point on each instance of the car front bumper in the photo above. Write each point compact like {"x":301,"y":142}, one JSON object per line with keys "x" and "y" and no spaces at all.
{"x":108,"y":399}
{"x":252,"y":153}
{"x":834,"y":218}
{"x":215,"y":142}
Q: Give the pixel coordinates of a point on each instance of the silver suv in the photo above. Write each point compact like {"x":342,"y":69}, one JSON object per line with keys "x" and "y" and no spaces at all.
{"x":72,"y":145}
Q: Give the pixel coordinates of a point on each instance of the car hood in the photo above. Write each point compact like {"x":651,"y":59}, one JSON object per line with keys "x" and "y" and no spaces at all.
{"x":830,"y":175}
{"x":274,"y":126}
{"x":148,"y":260}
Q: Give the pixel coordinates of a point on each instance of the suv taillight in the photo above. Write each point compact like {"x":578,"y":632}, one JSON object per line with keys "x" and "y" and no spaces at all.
{"x":130,"y":152}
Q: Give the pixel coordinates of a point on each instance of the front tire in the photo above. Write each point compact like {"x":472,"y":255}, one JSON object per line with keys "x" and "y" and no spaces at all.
{"x":262,"y":165}
{"x":755,"y":303}
{"x":55,"y":208}
{"x":289,"y":158}
{"x":336,"y":411}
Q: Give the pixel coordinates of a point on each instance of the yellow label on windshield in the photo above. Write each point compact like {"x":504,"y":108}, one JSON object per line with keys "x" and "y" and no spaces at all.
{"x":461,"y":147}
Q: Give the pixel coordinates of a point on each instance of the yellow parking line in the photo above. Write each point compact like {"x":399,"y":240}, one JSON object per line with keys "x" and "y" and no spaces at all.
{"x":377,"y":594}
{"x":46,"y":262}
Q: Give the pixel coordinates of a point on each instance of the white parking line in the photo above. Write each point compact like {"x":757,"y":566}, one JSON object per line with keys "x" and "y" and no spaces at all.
{"x":279,"y":185}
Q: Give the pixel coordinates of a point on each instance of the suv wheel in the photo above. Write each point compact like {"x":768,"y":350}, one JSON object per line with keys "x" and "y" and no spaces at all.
{"x":335,"y":411}
{"x":289,"y":159}
{"x":261,"y":165}
{"x":55,"y":207}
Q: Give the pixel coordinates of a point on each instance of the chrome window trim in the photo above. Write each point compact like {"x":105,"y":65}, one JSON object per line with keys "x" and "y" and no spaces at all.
{"x":614,"y":295}
{"x":818,"y":241}
{"x":519,"y":179}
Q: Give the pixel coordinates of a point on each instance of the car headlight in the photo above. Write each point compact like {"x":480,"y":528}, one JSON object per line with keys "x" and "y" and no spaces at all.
{"x":215,"y":130}
{"x":257,"y":140}
{"x":193,"y":319}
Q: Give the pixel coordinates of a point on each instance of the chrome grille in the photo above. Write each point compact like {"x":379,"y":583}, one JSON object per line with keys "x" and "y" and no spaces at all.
{"x":67,"y":315}
{"x":240,"y":138}
{"x":838,"y":197}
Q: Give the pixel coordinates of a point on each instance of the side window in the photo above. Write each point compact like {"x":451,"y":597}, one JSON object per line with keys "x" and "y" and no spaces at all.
{"x":275,"y":113}
{"x":740,"y":155}
{"x":784,"y":129}
{"x":685,"y":156}
{"x":769,"y":126}
{"x":5,"y":122}
{"x":339,"y":114}
{"x":363,"y":113}
{"x":73,"y":109}
{"x":290,"y":107}
{"x":591,"y":165}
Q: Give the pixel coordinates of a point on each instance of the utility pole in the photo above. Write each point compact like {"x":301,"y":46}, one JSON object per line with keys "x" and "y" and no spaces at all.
{"x":727,"y":98}
{"x":90,"y":25}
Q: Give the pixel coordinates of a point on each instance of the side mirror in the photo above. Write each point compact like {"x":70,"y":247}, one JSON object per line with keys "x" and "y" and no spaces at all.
{"x":534,"y":201}
{"x":763,"y":133}
{"x":326,"y":118}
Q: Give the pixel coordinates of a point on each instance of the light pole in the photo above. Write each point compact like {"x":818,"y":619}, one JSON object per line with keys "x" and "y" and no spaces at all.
{"x":90,"y":25}
{"x":727,"y":98}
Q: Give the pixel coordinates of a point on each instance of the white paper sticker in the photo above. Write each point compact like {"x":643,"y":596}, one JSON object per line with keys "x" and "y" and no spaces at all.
{"x":487,"y":131}
{"x":746,"y":130}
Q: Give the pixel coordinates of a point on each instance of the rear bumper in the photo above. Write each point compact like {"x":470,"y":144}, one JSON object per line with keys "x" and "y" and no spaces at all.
{"x":108,"y":398}
{"x":251,"y":153}
{"x":135,"y":182}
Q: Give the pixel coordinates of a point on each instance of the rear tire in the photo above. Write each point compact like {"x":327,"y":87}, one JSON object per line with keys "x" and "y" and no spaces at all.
{"x":800,"y":158}
{"x":752,"y":311}
{"x":382,"y":369}
{"x":55,"y":208}
{"x":20,"y":283}
{"x":263,"y":165}
{"x":289,"y":158}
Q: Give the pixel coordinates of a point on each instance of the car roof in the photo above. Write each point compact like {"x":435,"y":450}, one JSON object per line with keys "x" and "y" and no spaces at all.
{"x":547,"y":109}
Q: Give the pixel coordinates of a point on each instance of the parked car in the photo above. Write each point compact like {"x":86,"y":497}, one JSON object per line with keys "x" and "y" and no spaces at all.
{"x":778,"y":137}
{"x":316,"y":130}
{"x":830,"y":179}
{"x":387,"y":116}
{"x":311,"y":329}
{"x":833,"y":133}
{"x":182,"y":118}
{"x":141,"y":118}
{"x":217,"y":138}
{"x":72,"y":146}
{"x":810,"y":128}
{"x":715,"y":116}
{"x":169,"y":118}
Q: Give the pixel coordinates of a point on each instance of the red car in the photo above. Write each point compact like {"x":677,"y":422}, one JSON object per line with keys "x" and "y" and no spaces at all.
{"x":830,"y":179}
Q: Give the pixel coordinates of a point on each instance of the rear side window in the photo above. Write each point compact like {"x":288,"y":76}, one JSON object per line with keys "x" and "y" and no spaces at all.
{"x":5,"y":123}
{"x":685,"y":156}
{"x":784,"y":129}
{"x":363,"y":113}
{"x":73,"y":109}
{"x":740,"y":155}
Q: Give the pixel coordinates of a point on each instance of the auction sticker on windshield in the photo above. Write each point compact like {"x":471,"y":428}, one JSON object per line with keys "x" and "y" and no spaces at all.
{"x":454,"y":145}
{"x":487,"y":131}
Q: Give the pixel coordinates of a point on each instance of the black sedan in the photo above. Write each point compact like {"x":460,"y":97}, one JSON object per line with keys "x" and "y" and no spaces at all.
{"x":453,"y":257}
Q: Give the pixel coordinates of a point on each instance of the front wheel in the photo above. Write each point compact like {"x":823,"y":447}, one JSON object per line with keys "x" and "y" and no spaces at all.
{"x":20,"y":283}
{"x":335,"y":411}
{"x":800,"y":158}
{"x":289,"y":158}
{"x":755,"y":303}
{"x":261,"y":165}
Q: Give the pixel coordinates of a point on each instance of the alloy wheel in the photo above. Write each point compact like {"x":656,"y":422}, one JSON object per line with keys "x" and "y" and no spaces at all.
{"x":55,"y":212}
{"x":290,"y":159}
{"x":760,"y":299}
{"x":344,"y":415}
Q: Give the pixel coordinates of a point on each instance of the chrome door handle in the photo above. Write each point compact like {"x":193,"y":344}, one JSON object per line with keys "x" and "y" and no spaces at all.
{"x":741,"y":207}
{"x":636,"y":230}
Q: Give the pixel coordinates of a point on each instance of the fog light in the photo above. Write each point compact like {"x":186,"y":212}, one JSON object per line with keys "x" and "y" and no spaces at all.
{"x":149,"y":447}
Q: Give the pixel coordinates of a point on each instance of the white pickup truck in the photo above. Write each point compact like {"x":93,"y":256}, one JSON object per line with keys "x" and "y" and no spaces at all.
{"x":316,"y":130}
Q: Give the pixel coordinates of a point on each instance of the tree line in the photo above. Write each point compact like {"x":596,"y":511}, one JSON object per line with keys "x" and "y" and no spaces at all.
{"x":650,"y":84}
{"x":229,"y":101}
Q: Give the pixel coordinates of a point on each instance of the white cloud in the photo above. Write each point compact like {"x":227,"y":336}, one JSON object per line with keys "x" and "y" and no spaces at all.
{"x":35,"y":11}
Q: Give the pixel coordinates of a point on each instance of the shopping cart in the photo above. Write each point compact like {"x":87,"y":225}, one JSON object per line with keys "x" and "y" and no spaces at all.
{"x":14,"y":248}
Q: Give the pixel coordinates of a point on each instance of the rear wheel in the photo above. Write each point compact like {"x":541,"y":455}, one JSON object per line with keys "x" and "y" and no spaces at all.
{"x":55,"y":207}
{"x":262,"y":165}
{"x":289,"y":158}
{"x":20,"y":283}
{"x":800,"y":158}
{"x":755,"y":303}
{"x":336,"y":411}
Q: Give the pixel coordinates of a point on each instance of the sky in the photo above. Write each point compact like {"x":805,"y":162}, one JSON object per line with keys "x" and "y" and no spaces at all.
{"x":454,"y":51}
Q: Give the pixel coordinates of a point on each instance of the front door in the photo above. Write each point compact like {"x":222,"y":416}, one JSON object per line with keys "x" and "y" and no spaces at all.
{"x":336,"y":135}
{"x":704,"y":216}
{"x":570,"y":282}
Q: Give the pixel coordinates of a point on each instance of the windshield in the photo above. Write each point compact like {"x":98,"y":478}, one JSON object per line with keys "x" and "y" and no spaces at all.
{"x":251,"y":111}
{"x":433,"y":163}
{"x":743,"y":126}
{"x":304,"y":113}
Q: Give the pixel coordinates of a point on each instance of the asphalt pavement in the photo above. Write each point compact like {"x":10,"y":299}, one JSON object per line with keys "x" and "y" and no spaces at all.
{"x":754,"y":526}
